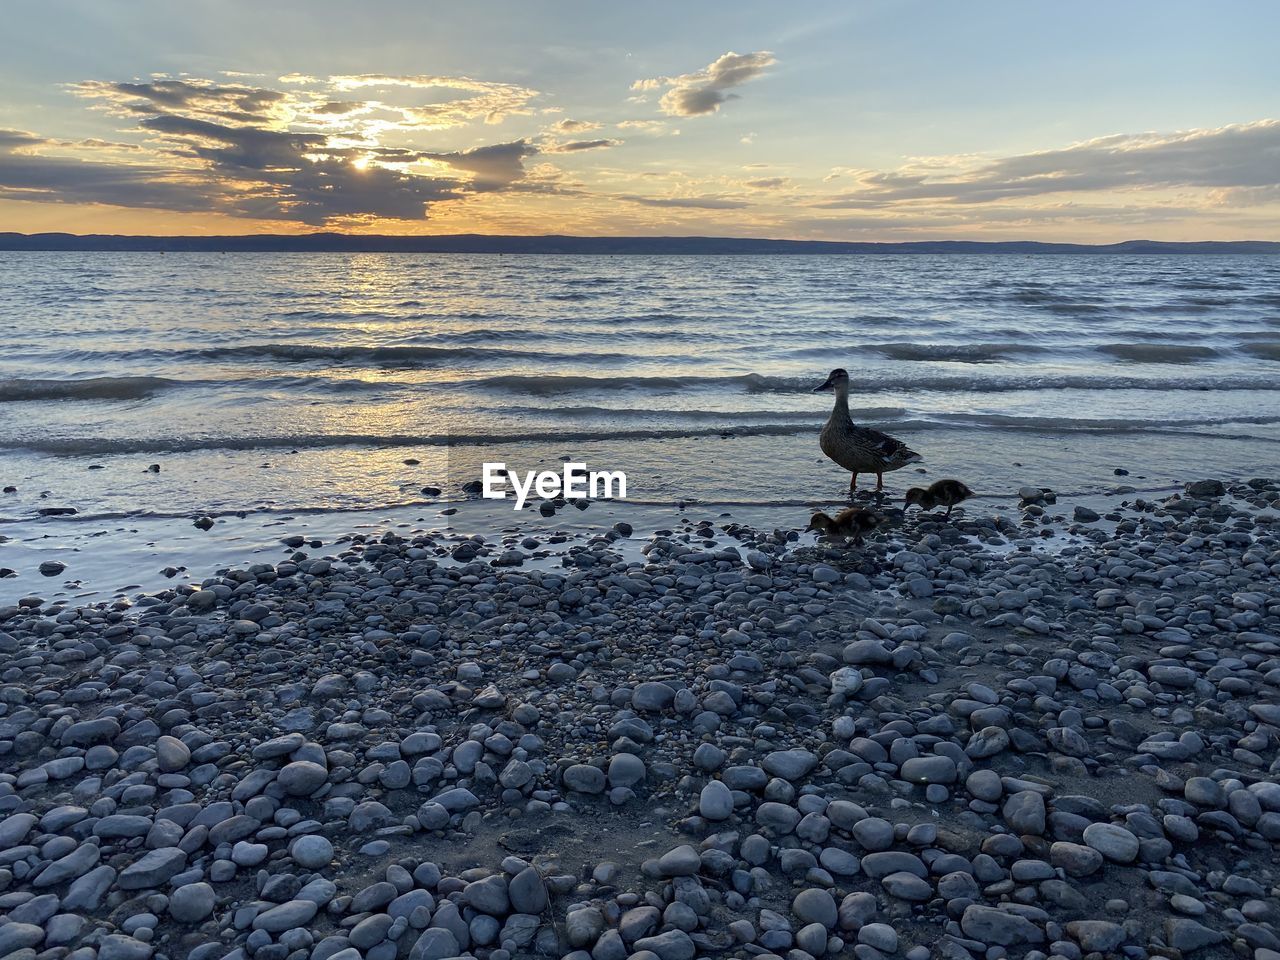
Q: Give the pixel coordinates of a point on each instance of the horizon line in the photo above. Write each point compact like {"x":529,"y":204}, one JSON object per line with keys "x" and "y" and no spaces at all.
{"x":334,"y":241}
{"x":593,"y":236}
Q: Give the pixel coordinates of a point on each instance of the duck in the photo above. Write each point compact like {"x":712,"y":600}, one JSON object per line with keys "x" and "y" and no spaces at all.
{"x":851,"y":522}
{"x":943,"y":493}
{"x":859,"y":449}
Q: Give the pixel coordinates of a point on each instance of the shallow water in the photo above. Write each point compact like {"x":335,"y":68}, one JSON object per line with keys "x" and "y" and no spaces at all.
{"x":285,"y":382}
{"x":131,"y":557}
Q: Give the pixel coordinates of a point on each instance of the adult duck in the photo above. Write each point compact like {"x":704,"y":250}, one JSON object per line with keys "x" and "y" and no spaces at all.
{"x":859,"y":449}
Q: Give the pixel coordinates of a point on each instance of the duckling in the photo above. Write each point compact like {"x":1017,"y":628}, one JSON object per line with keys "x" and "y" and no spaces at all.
{"x":943,"y":493}
{"x":859,"y":449}
{"x":851,"y":523}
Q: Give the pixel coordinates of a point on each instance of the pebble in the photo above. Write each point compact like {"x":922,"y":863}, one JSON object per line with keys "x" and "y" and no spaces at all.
{"x":715,"y":802}
{"x":311,"y":851}
{"x":1112,"y":841}
{"x":683,"y":861}
{"x":1025,"y":813}
{"x":192,"y":902}
{"x":584,"y":778}
{"x":1000,"y":927}
{"x":789,"y":764}
{"x":924,"y":770}
{"x":740,"y":743}
{"x":302,"y":778}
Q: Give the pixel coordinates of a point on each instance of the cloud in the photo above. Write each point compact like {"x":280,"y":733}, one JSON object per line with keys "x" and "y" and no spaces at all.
{"x":653,"y":127}
{"x":491,"y":101}
{"x":12,"y":139}
{"x":328,"y":189}
{"x":235,"y":148}
{"x":339,"y":108}
{"x":307,"y":153}
{"x":315,"y":98}
{"x":296,"y":176}
{"x":201,"y":98}
{"x":574,"y":146}
{"x":689,"y":203}
{"x":28,"y":172}
{"x":703,"y":91}
{"x":245,"y":172}
{"x":575,"y":126}
{"x":492,"y":167}
{"x":767,"y":183}
{"x":1247,"y":196}
{"x":1234,"y":157}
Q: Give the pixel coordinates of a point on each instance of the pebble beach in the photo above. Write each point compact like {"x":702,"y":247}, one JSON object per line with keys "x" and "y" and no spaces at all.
{"x":1036,"y":730}
{"x":537,"y":481}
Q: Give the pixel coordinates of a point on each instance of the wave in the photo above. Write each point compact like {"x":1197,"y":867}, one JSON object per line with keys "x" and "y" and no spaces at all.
{"x":861,"y":414}
{"x":884,"y":416}
{"x":961,"y":352}
{"x":233,"y":390}
{"x":553,"y":384}
{"x":1053,"y":300}
{"x":728,"y":429}
{"x":547,"y":345}
{"x":1110,"y":425}
{"x":550,"y":384}
{"x":1203,"y":285}
{"x":1265,"y":350}
{"x":94,"y":388}
{"x":141,"y":387}
{"x":1158,"y":352}
{"x":579,"y":332}
{"x":389,"y":356}
{"x":108,"y":446}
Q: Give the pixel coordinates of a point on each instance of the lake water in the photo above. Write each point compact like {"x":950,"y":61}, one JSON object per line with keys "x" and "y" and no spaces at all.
{"x":304,"y":381}
{"x":682,"y":370}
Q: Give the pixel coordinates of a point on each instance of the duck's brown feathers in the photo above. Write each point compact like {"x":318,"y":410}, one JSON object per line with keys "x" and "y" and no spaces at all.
{"x":942,"y":493}
{"x":851,"y":522}
{"x":859,"y":449}
{"x":862,"y":449}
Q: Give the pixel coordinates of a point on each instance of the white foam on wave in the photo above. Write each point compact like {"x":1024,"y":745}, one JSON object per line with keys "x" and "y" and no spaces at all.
{"x":727,"y":427}
{"x":551,"y":384}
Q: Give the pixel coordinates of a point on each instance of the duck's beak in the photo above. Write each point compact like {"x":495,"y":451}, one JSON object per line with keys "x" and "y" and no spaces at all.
{"x":827,"y":385}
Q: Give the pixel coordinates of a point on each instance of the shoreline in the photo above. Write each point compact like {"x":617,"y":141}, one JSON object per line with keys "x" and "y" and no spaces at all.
{"x":165,"y":550}
{"x":713,"y":740}
{"x":733,"y":469}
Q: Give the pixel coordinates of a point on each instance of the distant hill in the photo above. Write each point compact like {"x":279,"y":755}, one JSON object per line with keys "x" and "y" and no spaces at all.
{"x":479,"y":243}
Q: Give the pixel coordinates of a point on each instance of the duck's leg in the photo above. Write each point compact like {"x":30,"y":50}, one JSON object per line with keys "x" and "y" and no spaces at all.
{"x":949,"y":509}
{"x":879,"y":482}
{"x":853,"y":483}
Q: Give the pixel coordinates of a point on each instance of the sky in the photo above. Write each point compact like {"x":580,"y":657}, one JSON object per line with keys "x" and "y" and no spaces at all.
{"x":854,"y":120}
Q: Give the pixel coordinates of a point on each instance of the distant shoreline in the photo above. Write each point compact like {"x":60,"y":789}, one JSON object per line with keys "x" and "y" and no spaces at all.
{"x":596,"y":246}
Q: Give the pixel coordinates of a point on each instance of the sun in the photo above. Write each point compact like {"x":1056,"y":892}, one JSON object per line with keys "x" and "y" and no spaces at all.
{"x":360,"y":163}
